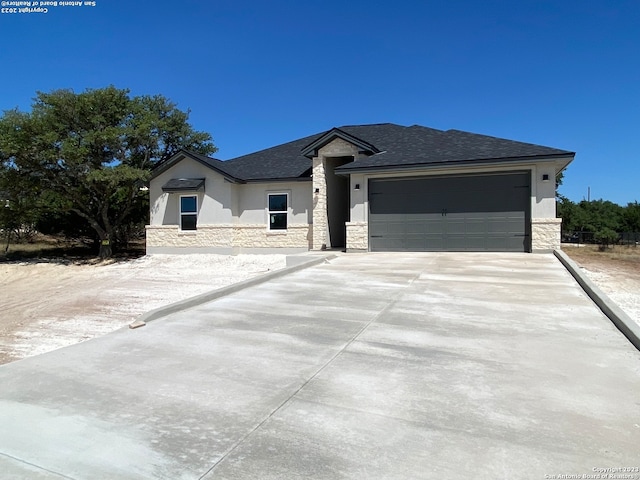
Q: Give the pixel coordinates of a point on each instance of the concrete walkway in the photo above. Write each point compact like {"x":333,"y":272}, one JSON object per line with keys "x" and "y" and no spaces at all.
{"x":451,"y":366}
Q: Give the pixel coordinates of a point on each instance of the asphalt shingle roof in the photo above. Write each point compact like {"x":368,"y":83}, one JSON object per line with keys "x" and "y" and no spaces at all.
{"x":417,"y":145}
{"x":282,"y":161}
{"x":399,"y":147}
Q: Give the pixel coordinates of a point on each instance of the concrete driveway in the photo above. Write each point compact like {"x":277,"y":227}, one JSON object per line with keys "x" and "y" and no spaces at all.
{"x":402,"y":366}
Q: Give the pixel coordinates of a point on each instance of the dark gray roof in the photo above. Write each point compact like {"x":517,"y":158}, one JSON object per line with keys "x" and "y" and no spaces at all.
{"x":416,"y":145}
{"x":183,"y":184}
{"x":389,"y":146}
{"x":284,"y":161}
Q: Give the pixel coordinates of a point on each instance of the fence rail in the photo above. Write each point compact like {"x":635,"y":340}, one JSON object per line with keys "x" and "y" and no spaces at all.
{"x":624,"y":238}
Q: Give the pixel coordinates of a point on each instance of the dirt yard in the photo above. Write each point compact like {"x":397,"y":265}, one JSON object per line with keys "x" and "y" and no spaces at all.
{"x":615,"y":271}
{"x":48,"y":304}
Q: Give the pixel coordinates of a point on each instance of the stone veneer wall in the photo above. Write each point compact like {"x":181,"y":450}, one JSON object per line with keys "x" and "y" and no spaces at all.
{"x":357,"y":236}
{"x":204,"y":236}
{"x":228,"y":236}
{"x":320,"y":218}
{"x":336,"y":148}
{"x":257,"y":236}
{"x":545,"y":234}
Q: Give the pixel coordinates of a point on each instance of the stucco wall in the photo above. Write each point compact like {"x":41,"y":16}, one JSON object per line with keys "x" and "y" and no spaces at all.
{"x":253,"y":203}
{"x":543,"y":192}
{"x":214,"y":203}
{"x":230,"y":216}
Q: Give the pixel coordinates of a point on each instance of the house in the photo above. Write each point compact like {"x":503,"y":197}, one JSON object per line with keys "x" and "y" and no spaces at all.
{"x":381,"y":187}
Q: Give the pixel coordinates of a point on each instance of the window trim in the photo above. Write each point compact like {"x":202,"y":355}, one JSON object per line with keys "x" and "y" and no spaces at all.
{"x":181,"y":213}
{"x":269,"y":212}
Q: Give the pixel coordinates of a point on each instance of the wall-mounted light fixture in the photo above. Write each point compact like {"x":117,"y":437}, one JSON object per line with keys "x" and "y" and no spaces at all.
{"x":545,"y":177}
{"x":356,"y":186}
{"x":317,"y":190}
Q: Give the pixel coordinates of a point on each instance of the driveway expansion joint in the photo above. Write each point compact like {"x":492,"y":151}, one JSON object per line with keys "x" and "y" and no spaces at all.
{"x":36,"y":466}
{"x":392,"y":302}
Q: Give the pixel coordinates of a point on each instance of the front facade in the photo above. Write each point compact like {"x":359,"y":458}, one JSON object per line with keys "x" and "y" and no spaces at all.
{"x":361,"y":188}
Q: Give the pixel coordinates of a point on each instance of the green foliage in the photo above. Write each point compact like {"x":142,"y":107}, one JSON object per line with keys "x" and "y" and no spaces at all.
{"x":21,"y":205}
{"x":631,"y":217}
{"x":604,"y":219}
{"x":605,"y":237}
{"x":89,"y":153}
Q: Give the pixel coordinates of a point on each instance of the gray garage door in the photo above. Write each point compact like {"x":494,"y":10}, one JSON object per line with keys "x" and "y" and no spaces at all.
{"x":465,"y":213}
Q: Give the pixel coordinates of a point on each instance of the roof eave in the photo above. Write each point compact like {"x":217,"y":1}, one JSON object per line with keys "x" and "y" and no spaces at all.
{"x":278,"y":180}
{"x":565,"y":159}
{"x":181,"y":155}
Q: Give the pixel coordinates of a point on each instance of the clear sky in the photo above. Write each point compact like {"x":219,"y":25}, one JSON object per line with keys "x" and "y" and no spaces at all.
{"x":562,"y":73}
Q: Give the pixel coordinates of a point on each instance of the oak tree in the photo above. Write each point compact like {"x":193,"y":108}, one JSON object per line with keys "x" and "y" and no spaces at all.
{"x":93,"y":151}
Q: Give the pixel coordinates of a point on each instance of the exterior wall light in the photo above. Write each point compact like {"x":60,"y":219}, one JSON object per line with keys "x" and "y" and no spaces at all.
{"x":357,"y":186}
{"x":545,"y":177}
{"x":317,"y":190}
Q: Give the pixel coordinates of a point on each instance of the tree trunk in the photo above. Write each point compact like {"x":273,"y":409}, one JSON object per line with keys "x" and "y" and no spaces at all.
{"x":104,"y":234}
{"x":6,"y":248}
{"x":105,"y":247}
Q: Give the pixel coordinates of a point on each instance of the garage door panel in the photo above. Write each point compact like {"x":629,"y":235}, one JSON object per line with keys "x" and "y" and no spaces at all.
{"x":471,"y":213}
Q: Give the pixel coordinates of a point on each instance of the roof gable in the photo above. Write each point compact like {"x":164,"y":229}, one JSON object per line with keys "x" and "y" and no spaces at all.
{"x":311,"y":150}
{"x":212,"y":163}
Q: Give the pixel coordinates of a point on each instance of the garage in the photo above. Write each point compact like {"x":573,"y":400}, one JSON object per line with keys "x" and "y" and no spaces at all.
{"x":489,"y":212}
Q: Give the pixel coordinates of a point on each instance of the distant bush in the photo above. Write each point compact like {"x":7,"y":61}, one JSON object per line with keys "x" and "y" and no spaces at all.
{"x":605,"y":237}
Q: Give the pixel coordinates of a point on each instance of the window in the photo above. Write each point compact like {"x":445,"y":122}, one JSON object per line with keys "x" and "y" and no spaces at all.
{"x":188,"y":212}
{"x":278,"y":211}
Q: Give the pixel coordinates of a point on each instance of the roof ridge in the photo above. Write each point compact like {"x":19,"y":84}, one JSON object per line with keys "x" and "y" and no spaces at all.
{"x":368,"y":125}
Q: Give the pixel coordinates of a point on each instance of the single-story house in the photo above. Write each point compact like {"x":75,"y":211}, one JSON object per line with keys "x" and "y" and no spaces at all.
{"x":381,"y":187}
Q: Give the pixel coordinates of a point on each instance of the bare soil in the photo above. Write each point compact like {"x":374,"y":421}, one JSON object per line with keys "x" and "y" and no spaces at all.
{"x":51,"y":303}
{"x":616,"y":271}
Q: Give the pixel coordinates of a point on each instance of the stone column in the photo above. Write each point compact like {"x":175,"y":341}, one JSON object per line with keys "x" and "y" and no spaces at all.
{"x":319,"y":192}
{"x":545,"y":234}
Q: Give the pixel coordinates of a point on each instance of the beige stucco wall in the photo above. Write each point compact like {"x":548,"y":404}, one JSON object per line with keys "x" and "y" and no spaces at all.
{"x":543,"y":193}
{"x":231,"y":217}
{"x":253,"y":203}
{"x":213,"y":208}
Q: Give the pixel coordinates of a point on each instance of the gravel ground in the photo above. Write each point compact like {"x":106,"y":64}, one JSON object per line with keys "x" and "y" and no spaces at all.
{"x":46,"y":305}
{"x":616,"y":273}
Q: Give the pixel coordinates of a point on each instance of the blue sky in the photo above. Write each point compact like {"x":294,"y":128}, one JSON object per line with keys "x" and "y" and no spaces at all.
{"x":563,"y":73}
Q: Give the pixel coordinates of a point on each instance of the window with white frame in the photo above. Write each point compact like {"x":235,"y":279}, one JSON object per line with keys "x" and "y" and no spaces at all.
{"x":188,"y":212}
{"x":278,"y":203}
